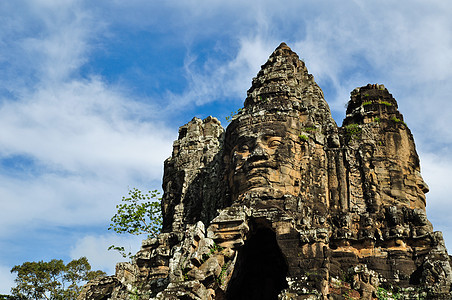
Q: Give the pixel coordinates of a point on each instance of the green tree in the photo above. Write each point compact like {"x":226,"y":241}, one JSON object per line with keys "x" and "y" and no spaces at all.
{"x":78,"y":271}
{"x":9,"y":297}
{"x":139,"y":213}
{"x":52,"y":280}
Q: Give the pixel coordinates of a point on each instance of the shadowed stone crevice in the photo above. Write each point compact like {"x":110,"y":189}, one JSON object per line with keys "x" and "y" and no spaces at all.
{"x":260,"y":271}
{"x":193,"y":175}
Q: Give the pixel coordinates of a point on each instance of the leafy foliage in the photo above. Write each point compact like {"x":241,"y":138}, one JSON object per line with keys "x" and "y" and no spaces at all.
{"x":52,"y":280}
{"x":79,"y":270}
{"x":385,"y":103}
{"x":310,"y":129}
{"x":139,"y":213}
{"x":303,"y":137}
{"x":233,"y":113}
{"x":353,"y":131}
{"x":383,"y":294}
{"x":9,"y":297}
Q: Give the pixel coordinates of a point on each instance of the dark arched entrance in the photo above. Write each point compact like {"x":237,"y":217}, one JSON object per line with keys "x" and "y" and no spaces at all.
{"x":260,"y":270}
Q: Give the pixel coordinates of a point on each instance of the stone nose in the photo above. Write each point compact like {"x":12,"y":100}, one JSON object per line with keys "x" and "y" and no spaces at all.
{"x":259,"y":151}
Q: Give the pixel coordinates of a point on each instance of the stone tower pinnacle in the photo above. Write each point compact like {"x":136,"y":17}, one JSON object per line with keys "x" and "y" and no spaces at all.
{"x":282,"y":81}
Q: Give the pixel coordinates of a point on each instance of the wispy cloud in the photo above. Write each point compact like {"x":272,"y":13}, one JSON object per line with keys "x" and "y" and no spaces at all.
{"x":219,"y":79}
{"x":44,"y":42}
{"x":94,"y":246}
{"x":70,"y":145}
{"x":81,"y":126}
{"x":436,"y":172}
{"x":6,"y":279}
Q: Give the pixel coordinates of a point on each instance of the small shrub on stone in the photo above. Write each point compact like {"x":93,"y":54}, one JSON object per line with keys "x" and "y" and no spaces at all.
{"x":353,"y":131}
{"x":303,"y":137}
{"x":233,"y":113}
{"x":385,"y":103}
{"x":383,"y":294}
{"x":310,"y":129}
{"x":397,"y":120}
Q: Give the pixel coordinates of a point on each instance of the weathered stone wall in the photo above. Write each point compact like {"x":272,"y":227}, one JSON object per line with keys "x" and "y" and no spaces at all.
{"x":287,"y":205}
{"x":192,"y":175}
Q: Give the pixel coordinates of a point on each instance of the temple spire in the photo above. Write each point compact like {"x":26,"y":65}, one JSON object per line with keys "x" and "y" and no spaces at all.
{"x":283,"y":46}
{"x":284,"y":83}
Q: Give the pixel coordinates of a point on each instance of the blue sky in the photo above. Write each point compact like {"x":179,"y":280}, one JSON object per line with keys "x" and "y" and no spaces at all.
{"x":92,"y":94}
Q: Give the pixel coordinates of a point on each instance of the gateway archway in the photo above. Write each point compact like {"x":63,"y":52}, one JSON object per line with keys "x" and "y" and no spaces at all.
{"x":260,"y":271}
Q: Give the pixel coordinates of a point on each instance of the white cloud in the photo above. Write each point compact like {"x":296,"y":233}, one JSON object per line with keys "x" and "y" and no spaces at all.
{"x":58,"y":201}
{"x":86,"y":145}
{"x":84,"y":126}
{"x":44,"y":41}
{"x":6,"y":280}
{"x":94,"y":247}
{"x":63,"y":48}
{"x":83,"y":141}
{"x":217,"y":79}
{"x":436,"y":171}
{"x":344,"y":44}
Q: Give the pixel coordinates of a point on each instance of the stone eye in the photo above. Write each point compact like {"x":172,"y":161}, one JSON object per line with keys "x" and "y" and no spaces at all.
{"x":243,"y":148}
{"x":273,"y":143}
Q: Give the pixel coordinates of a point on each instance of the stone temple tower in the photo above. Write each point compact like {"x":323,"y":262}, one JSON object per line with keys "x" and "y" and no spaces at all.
{"x":284,"y":204}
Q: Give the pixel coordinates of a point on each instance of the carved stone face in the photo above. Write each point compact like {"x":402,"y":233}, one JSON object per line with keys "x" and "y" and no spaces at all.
{"x":264,"y":158}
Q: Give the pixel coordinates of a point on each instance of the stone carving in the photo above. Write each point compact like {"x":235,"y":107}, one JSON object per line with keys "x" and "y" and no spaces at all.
{"x":287,"y":205}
